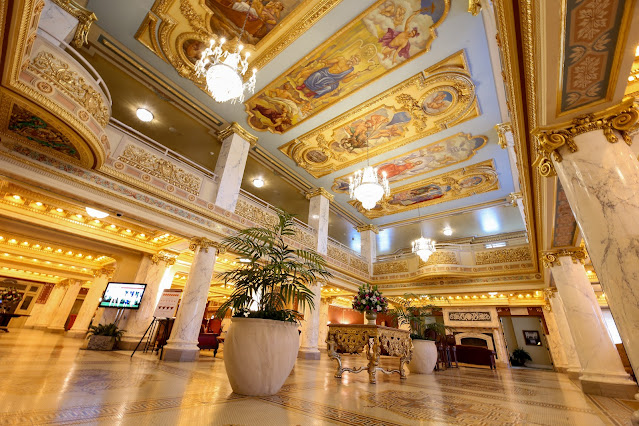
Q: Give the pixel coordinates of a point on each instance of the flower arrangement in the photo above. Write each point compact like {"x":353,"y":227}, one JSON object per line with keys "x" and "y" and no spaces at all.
{"x":9,"y":297}
{"x":369,"y":299}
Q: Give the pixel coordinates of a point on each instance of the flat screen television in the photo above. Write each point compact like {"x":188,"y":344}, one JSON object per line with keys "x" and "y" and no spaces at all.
{"x":122,"y":295}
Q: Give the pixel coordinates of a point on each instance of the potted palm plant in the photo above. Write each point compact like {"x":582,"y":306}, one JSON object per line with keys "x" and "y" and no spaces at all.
{"x":102,"y":337}
{"x":519,"y":358}
{"x":269,"y":292}
{"x":422,"y":333}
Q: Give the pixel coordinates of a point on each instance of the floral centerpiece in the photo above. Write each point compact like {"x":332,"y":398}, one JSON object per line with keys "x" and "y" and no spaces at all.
{"x":8,"y":298}
{"x":370,"y":301}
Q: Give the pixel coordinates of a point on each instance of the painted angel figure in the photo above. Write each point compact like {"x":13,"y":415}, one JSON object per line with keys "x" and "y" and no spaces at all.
{"x":397,"y":43}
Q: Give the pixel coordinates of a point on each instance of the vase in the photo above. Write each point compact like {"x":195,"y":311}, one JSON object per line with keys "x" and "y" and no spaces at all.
{"x":371,"y":318}
{"x":424,"y":357}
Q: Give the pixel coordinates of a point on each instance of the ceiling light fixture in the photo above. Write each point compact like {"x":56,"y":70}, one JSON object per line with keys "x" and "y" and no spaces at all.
{"x":448,"y":231}
{"x":96,"y":213}
{"x":367,"y":187}
{"x":423,"y":247}
{"x":258,"y":182}
{"x":244,"y":260}
{"x":144,"y":115}
{"x":224,"y":70}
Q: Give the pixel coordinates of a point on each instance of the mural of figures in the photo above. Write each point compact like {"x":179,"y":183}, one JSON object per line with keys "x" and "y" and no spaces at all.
{"x":263,"y":15}
{"x":438,"y":102}
{"x":386,"y":35}
{"x":444,"y":153}
{"x":474,"y":179}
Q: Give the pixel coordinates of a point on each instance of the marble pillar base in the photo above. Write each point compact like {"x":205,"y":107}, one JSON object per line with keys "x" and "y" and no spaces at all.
{"x":573,"y":373}
{"x":76,"y":334}
{"x":57,"y":330}
{"x":180,"y":354}
{"x":40,"y":327}
{"x":308,"y":354}
{"x":623,"y":390}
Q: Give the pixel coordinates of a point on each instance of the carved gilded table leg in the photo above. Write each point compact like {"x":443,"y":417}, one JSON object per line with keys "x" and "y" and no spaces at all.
{"x":373,"y":359}
{"x":332,"y":353}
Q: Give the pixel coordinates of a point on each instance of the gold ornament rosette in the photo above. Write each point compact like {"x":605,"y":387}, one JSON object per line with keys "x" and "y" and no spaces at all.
{"x":620,"y":119}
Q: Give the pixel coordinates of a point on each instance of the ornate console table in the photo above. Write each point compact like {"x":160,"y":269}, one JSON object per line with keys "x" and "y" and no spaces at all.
{"x":349,"y":338}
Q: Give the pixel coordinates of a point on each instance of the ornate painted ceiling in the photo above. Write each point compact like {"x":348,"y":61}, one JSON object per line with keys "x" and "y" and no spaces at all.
{"x":405,"y":84}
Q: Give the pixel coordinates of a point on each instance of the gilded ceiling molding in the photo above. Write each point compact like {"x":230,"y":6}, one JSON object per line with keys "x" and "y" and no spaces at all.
{"x":104,"y":271}
{"x":369,"y":227}
{"x":620,"y":118}
{"x":502,"y":129}
{"x":85,"y":19}
{"x":235,"y":128}
{"x":474,"y":7}
{"x":320,"y":191}
{"x":167,"y":256}
{"x":203,"y":244}
{"x":551,"y":257}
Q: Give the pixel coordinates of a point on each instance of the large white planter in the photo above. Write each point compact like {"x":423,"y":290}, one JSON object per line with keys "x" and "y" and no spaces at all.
{"x":259,"y":354}
{"x":424,"y":357}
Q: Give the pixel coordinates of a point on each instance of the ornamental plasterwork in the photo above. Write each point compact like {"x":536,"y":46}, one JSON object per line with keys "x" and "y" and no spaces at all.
{"x":178,"y":30}
{"x":383,"y":268}
{"x":358,"y":264}
{"x":203,"y":244}
{"x":619,"y":119}
{"x":461,"y":183}
{"x":440,"y":97}
{"x":236,"y":129}
{"x":469,"y":316}
{"x":440,"y":258}
{"x":518,"y":254}
{"x":337,"y":254}
{"x":254,"y":213}
{"x":161,"y":168}
{"x":104,"y":271}
{"x":167,"y":256}
{"x":304,"y":237}
{"x":57,"y":72}
{"x":550,"y":258}
{"x":85,"y":19}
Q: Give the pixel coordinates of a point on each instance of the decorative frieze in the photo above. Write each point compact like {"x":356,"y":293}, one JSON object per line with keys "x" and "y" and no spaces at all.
{"x":440,"y":258}
{"x":390,"y":267}
{"x":469,"y":316}
{"x":161,"y":168}
{"x":518,"y":254}
{"x":358,"y":264}
{"x":337,"y":254}
{"x":255,"y":213}
{"x":551,"y":257}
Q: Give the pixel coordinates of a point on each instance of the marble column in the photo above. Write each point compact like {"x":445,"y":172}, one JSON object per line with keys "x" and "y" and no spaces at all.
{"x":318,"y":210}
{"x":323,"y":322}
{"x":229,"y":168}
{"x":182,"y":345}
{"x":571,"y":363}
{"x":602,"y":372}
{"x":39,"y":307}
{"x":56,"y":296}
{"x":368,"y":236}
{"x":61,"y":314}
{"x":91,"y":301}
{"x":600,"y":175}
{"x":155,"y":272}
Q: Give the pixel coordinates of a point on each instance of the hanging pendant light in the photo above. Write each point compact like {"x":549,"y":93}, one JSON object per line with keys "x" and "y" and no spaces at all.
{"x":367,"y":187}
{"x":224,"y":70}
{"x":423,"y":247}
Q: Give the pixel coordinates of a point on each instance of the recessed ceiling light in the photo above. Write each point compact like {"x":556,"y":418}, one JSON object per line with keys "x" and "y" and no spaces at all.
{"x":144,"y":114}
{"x":258,"y":182}
{"x":245,"y":260}
{"x":447,"y":231}
{"x":96,"y":213}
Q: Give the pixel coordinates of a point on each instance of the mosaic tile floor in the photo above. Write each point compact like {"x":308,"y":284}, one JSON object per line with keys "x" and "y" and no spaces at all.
{"x":47,"y":379}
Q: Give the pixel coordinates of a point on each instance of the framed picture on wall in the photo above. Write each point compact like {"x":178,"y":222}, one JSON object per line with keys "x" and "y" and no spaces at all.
{"x":532,"y":337}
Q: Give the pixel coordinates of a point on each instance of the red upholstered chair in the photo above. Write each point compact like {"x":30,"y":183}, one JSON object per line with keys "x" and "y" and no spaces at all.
{"x":215,"y":326}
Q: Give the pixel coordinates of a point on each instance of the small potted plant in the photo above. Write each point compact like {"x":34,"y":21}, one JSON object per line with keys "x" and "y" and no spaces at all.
{"x":370,"y":301}
{"x":102,"y":337}
{"x":262,"y":342}
{"x":519,"y":358}
{"x":422,"y":333}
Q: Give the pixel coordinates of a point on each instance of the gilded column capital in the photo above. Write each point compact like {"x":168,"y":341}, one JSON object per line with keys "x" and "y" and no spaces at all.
{"x":168,"y":256}
{"x":369,"y":227}
{"x":620,"y":118}
{"x":205,"y":243}
{"x":513,"y":197}
{"x":474,"y":7}
{"x":551,"y":257}
{"x":103,"y":271}
{"x":502,"y":129}
{"x":320,"y":191}
{"x":85,"y":19}
{"x":238,"y":130}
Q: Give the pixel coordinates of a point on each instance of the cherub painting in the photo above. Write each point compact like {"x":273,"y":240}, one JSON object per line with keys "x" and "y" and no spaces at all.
{"x":374,"y":129}
{"x":386,"y":35}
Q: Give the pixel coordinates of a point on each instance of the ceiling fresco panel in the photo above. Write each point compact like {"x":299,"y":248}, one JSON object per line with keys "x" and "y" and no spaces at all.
{"x":438,"y":98}
{"x":461,"y":183}
{"x":387,"y":35}
{"x":437,"y":155}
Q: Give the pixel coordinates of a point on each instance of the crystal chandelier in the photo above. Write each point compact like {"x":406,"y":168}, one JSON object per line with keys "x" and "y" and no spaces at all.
{"x":224,"y":70}
{"x":423,"y":247}
{"x":367,"y":187}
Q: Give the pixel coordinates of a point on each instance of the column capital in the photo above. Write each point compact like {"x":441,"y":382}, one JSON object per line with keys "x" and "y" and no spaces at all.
{"x":551,"y":257}
{"x":108,"y":271}
{"x":474,"y":7}
{"x":320,"y":191}
{"x":238,"y":130}
{"x":502,"y":129}
{"x":168,"y":256}
{"x":513,"y":197}
{"x":85,"y":19}
{"x":621,"y":118}
{"x":549,"y":293}
{"x":369,"y":227}
{"x":205,"y":243}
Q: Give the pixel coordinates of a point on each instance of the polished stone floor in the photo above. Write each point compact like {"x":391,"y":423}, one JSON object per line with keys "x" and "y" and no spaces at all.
{"x":48,"y":379}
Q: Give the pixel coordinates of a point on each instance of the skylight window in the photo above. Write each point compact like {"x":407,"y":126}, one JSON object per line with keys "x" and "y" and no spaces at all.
{"x":496,"y":245}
